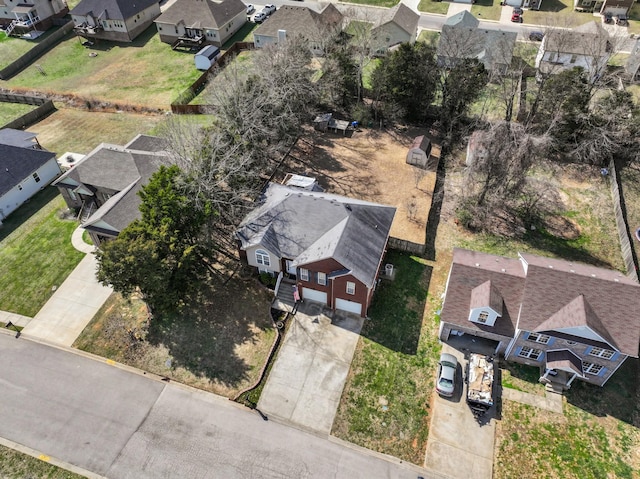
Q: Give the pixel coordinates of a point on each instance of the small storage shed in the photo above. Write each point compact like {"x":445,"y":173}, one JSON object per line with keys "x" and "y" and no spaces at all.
{"x":206,"y":57}
{"x":419,"y":154}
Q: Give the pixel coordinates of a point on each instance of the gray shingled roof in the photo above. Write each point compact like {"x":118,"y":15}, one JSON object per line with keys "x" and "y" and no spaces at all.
{"x":402,"y":16}
{"x":590,"y":39}
{"x":486,"y":295}
{"x":18,"y":163}
{"x":491,"y":47}
{"x":308,"y":226}
{"x":12,"y":137}
{"x":202,"y":13}
{"x":299,"y":21}
{"x":463,"y":19}
{"x":113,"y":9}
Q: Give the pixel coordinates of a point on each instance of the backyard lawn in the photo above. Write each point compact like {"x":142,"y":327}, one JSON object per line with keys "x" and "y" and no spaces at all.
{"x":12,"y":48}
{"x":11,"y":111}
{"x":240,"y":66}
{"x":146,"y":72}
{"x":376,"y":3}
{"x":35,"y":253}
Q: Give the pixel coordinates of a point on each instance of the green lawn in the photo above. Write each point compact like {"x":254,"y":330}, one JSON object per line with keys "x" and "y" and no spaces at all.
{"x":557,"y":13}
{"x":487,"y":9}
{"x":242,"y":64}
{"x":245,"y":34}
{"x":634,"y":18}
{"x":385,"y":403}
{"x":11,"y":111}
{"x":433,"y":6}
{"x":12,"y":48}
{"x":429,"y":36}
{"x":368,"y":71}
{"x":16,"y":465}
{"x":35,"y":253}
{"x":146,"y":72}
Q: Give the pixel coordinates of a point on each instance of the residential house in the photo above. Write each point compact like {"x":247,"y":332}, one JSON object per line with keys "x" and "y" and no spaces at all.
{"x":288,"y":21}
{"x":461,"y":38}
{"x":331,"y":245}
{"x":25,"y":169}
{"x":114,"y":20}
{"x":194,"y":23}
{"x":588,"y":47}
{"x":571,"y":320}
{"x":104,"y":185}
{"x":615,"y":8}
{"x":18,"y":16}
{"x":396,"y":25}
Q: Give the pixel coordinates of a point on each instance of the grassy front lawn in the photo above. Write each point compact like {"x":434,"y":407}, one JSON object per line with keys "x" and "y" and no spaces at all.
{"x":11,"y":111}
{"x":218,"y":343}
{"x":433,"y":6}
{"x":487,"y":9}
{"x":634,"y":18}
{"x":146,"y":72}
{"x":557,"y":13}
{"x":385,"y":403}
{"x":429,"y":36}
{"x":35,"y":253}
{"x":16,"y":465}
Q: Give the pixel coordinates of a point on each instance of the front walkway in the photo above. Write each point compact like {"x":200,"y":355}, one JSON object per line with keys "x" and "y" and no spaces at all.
{"x":308,"y":376}
{"x":74,"y":304}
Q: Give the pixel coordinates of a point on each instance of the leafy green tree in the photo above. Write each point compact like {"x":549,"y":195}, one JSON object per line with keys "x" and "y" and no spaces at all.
{"x":162,"y":253}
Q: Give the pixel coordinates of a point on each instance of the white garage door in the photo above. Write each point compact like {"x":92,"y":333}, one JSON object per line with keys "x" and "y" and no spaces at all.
{"x":350,"y":306}
{"x":314,"y":295}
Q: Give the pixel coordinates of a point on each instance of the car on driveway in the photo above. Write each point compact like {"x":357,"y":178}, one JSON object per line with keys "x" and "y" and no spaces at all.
{"x":446,"y":380}
{"x":269,"y":9}
{"x":516,"y":17}
{"x":260,"y":17}
{"x":250,"y":9}
{"x":536,"y":36}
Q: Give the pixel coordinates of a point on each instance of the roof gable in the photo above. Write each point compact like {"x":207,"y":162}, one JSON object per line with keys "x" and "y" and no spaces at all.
{"x":402,"y":16}
{"x":18,"y":163}
{"x":486,"y":295}
{"x":462,"y":19}
{"x":112,"y":9}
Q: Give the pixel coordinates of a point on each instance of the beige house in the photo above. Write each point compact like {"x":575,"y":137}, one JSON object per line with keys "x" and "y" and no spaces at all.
{"x":114,"y":20}
{"x":18,"y":17}
{"x":194,"y":23}
{"x":397,"y":25}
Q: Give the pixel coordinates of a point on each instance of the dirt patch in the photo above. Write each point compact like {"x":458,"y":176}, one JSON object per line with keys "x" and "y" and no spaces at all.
{"x":371,"y":165}
{"x":561,"y":227}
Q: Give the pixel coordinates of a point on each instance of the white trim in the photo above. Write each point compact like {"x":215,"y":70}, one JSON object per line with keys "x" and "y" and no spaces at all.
{"x":351,"y":287}
{"x":304,"y":274}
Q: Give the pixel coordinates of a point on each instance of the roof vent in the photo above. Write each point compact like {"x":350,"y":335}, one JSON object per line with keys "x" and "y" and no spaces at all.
{"x":593,"y":275}
{"x":616,"y":280}
{"x":572,"y":270}
{"x":504,"y":270}
{"x":477,"y":265}
{"x":551,"y":266}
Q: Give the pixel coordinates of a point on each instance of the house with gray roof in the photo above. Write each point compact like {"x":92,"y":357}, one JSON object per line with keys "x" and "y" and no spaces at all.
{"x":462,"y":38}
{"x":396,"y":25}
{"x":291,"y":21}
{"x":330,"y":246}
{"x":18,"y":17}
{"x":114,"y":20}
{"x":572,"y":320}
{"x":104,"y":185}
{"x":25,"y":169}
{"x":195,"y":23}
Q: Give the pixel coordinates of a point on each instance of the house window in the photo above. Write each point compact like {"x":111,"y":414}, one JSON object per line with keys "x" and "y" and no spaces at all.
{"x":351,"y":287}
{"x":591,"y":368}
{"x":262,"y":257}
{"x":539,"y":338}
{"x":20,"y":187}
{"x":601,"y":353}
{"x":322,"y":279}
{"x":36,"y":177}
{"x":483,"y":317}
{"x":530,"y":353}
{"x":304,"y":274}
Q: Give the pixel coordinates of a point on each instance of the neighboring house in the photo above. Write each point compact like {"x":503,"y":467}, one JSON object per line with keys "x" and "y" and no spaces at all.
{"x":587,"y":47}
{"x":461,"y":38}
{"x":571,"y":320}
{"x":19,"y":16}
{"x":114,"y":20}
{"x":288,"y":21}
{"x":333,"y":246}
{"x":397,"y":25}
{"x":25,"y":169}
{"x":615,"y":8}
{"x":530,"y":4}
{"x":194,"y":23}
{"x":104,"y":185}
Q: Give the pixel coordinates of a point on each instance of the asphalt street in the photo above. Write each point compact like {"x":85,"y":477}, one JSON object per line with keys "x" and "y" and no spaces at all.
{"x":113,"y":422}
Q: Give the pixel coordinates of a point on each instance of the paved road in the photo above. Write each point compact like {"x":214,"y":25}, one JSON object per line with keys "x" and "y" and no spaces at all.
{"x":121,"y":424}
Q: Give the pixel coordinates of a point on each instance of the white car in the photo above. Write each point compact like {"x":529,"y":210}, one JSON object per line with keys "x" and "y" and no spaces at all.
{"x":446,"y":380}
{"x":269,"y":9}
{"x":260,"y":17}
{"x":250,"y":9}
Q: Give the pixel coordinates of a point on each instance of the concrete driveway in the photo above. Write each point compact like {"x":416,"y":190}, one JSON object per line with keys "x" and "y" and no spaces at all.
{"x":308,"y":376}
{"x":458,"y":446}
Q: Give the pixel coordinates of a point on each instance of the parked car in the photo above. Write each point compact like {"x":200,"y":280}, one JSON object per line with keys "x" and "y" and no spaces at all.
{"x":250,"y":9}
{"x":518,"y":10}
{"x":536,"y":36}
{"x":269,"y":9}
{"x":622,"y":20}
{"x":516,"y":17}
{"x":260,"y":17}
{"x":446,"y":381}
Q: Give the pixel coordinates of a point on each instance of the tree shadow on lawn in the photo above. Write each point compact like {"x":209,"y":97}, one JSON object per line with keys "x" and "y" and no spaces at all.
{"x":26,"y":211}
{"x":618,"y":398}
{"x":398,"y":305}
{"x":552,"y":6}
{"x":205,"y":335}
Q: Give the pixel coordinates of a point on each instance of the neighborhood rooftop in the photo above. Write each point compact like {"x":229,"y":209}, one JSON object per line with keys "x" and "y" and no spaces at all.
{"x":112,"y":9}
{"x":202,"y":13}
{"x":16,"y":163}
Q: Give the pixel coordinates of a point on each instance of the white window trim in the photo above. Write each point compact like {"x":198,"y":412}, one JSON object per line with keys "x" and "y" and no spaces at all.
{"x":304,"y":274}
{"x":592,"y":368}
{"x":539,"y":338}
{"x":530,"y":353}
{"x":601,"y":353}
{"x":263,"y":258}
{"x":322,"y":278}
{"x":351,"y":287}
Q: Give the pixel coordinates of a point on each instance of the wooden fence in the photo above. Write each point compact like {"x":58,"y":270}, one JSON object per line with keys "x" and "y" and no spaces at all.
{"x":624,"y":234}
{"x":44,"y":108}
{"x":181,"y":105}
{"x":406,"y":246}
{"x":38,"y":50}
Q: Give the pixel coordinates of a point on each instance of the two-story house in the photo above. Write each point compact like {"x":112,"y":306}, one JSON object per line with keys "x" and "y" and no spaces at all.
{"x":331,"y":245}
{"x":114,"y":20}
{"x":18,"y":17}
{"x":396,"y":25}
{"x":571,"y":320}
